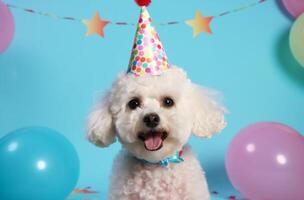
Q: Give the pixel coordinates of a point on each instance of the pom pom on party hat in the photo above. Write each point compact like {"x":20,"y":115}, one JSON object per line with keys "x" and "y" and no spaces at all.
{"x":148,"y":55}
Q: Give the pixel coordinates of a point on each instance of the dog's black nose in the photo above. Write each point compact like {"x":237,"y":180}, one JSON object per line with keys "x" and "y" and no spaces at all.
{"x":151,"y":120}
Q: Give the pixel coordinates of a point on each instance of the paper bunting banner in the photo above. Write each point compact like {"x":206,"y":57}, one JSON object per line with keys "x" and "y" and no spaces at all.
{"x":200,"y":24}
{"x":96,"y":25}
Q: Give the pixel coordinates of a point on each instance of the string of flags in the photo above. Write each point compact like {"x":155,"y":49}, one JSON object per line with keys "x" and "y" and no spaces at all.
{"x":96,"y":25}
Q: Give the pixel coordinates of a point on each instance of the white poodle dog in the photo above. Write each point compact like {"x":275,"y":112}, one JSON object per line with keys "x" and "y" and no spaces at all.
{"x":153,"y":118}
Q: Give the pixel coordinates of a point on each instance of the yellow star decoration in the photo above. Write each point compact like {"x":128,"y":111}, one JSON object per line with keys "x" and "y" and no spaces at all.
{"x":200,"y":24}
{"x":95,"y":25}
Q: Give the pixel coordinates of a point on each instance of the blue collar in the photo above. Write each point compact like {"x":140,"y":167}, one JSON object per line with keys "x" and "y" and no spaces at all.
{"x":165,"y":162}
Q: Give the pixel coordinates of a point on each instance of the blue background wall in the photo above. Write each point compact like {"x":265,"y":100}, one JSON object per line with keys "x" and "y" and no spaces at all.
{"x":52,"y":74}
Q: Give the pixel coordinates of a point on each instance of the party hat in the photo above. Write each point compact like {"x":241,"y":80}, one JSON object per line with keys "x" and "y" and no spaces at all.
{"x":148,"y":55}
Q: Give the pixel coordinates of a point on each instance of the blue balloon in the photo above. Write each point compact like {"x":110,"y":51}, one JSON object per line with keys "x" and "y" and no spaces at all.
{"x":37,"y":164}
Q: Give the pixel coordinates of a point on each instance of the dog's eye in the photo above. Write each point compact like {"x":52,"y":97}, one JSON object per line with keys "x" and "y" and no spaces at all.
{"x":134,"y":103}
{"x":168,"y":102}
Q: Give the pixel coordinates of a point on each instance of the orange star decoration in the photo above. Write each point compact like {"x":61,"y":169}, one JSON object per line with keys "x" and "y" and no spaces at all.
{"x":95,"y":25}
{"x":200,"y":24}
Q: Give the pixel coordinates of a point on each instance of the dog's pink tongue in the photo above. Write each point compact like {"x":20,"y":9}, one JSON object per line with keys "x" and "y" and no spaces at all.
{"x":153,"y":141}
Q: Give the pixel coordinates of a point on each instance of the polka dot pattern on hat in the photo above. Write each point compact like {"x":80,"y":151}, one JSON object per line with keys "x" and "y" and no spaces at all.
{"x":148,"y":55}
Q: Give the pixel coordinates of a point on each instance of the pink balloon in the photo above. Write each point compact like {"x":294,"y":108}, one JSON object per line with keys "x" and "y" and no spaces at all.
{"x":294,"y":7}
{"x":7,"y":27}
{"x":265,"y":161}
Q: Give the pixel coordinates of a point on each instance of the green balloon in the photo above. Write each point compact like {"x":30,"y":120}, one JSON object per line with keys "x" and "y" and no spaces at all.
{"x":296,"y":39}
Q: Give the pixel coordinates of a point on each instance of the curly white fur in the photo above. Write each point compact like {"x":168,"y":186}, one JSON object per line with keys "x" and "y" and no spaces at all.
{"x":194,"y":111}
{"x":135,"y":180}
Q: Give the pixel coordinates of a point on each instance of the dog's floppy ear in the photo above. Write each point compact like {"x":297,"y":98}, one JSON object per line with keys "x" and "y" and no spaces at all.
{"x":100,"y":128}
{"x":208,"y":115}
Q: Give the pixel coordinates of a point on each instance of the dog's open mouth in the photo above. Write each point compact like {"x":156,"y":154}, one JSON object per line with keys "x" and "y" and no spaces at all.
{"x":153,"y":140}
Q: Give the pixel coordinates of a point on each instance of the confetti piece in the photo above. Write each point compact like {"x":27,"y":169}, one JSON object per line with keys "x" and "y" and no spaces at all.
{"x":85,"y":191}
{"x":229,"y":197}
{"x":232,"y":197}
